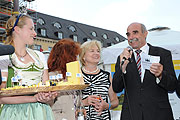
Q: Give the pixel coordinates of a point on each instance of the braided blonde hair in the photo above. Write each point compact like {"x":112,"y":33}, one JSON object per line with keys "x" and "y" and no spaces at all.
{"x":10,"y":24}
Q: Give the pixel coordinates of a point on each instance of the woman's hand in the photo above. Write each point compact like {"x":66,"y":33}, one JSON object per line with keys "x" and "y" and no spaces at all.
{"x":100,"y":106}
{"x":92,"y":100}
{"x":45,"y":97}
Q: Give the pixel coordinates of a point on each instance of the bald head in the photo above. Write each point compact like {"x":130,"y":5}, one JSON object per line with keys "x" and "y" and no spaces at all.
{"x":143,"y":27}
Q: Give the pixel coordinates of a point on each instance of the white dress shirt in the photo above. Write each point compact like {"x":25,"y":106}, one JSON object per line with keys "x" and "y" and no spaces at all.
{"x":145,"y":50}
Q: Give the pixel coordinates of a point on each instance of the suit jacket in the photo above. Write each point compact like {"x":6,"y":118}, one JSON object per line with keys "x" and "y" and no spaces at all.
{"x":147,"y":99}
{"x":178,"y":87}
{"x":0,"y":78}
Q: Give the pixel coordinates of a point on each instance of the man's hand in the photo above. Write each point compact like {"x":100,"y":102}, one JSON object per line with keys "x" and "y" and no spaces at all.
{"x":156,"y":69}
{"x":125,"y":55}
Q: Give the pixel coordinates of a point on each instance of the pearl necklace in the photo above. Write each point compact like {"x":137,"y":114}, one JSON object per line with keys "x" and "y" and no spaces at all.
{"x":22,"y":57}
{"x":83,"y":68}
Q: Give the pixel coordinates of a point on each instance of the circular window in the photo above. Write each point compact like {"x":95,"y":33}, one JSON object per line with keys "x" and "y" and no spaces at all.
{"x":40,"y":21}
{"x":105,"y":36}
{"x":117,"y":39}
{"x":72,"y":28}
{"x":57,"y":25}
{"x":94,"y":34}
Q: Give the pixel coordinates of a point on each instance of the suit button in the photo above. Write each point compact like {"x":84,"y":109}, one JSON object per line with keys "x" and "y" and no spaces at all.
{"x":142,"y":89}
{"x":140,"y":105}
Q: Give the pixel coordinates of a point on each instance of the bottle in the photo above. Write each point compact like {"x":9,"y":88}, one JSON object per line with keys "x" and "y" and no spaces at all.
{"x":80,"y":114}
{"x":80,"y":110}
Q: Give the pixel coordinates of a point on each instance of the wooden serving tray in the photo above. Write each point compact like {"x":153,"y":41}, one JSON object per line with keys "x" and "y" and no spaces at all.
{"x":33,"y":90}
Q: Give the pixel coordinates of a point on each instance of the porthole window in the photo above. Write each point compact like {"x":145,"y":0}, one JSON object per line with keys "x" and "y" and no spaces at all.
{"x":94,"y":34}
{"x":72,"y":28}
{"x":105,"y":36}
{"x":117,"y":39}
{"x":57,"y":25}
{"x":40,"y":21}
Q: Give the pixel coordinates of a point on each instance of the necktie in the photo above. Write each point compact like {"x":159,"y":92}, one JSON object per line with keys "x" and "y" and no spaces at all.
{"x":138,"y":61}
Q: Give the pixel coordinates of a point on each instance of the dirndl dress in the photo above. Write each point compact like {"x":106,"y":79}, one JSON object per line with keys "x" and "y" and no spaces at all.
{"x":30,"y":74}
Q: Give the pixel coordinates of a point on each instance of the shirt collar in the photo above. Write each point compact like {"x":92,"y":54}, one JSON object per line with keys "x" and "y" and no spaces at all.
{"x":145,"y":49}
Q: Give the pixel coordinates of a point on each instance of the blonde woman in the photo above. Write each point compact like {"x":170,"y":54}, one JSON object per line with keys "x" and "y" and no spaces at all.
{"x":31,"y":66}
{"x":95,"y":97}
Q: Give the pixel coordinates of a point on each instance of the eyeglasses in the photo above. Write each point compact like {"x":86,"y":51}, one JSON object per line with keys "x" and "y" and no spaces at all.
{"x":15,"y":24}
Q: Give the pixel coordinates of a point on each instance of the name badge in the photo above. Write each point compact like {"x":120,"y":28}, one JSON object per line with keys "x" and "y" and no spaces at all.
{"x":59,"y":76}
{"x":4,"y":79}
{"x":53,"y":77}
{"x":68,"y":73}
{"x":18,"y":77}
{"x":78,"y":75}
{"x":14,"y":79}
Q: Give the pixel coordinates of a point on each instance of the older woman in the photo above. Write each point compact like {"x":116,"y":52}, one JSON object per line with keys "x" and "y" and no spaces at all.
{"x":95,"y":97}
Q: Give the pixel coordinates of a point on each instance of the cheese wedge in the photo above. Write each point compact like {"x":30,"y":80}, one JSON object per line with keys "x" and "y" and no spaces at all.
{"x":73,"y":72}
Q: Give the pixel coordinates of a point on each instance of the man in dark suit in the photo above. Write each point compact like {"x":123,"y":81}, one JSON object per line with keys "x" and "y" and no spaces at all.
{"x":178,"y":87}
{"x":146,"y":90}
{"x":0,"y":78}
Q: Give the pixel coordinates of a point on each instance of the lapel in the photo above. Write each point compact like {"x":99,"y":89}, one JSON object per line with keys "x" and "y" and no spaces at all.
{"x":132,"y":67}
{"x":152,"y":50}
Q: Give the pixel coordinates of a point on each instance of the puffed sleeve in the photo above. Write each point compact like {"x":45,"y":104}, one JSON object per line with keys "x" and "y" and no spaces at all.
{"x":42,"y":58}
{"x":4,"y":63}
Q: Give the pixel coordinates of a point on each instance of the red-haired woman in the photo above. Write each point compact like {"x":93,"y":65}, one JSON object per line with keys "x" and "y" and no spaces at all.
{"x":64,"y":51}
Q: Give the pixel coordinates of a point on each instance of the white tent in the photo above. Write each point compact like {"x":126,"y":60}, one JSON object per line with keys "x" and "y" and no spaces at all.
{"x":165,"y":38}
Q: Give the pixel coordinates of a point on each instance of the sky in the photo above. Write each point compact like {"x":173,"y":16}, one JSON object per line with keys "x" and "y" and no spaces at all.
{"x":115,"y":15}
